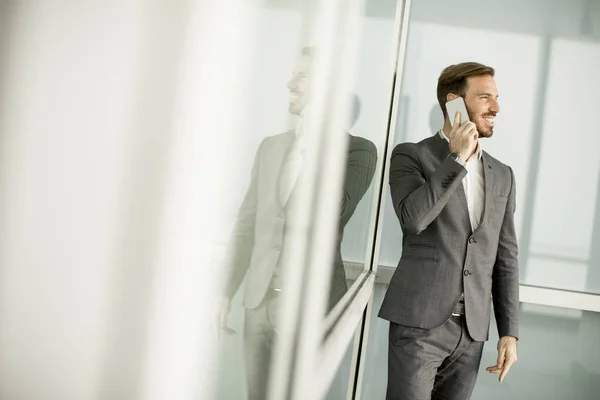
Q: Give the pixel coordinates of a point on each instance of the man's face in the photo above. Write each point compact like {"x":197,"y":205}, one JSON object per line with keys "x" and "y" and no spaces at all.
{"x":298,"y":86}
{"x":482,"y":103}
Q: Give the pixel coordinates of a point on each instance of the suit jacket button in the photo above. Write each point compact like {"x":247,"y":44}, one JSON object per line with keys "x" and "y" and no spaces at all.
{"x":471,"y":240}
{"x":467,"y":273}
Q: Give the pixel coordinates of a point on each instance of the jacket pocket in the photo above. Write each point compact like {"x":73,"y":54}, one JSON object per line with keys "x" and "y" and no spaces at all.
{"x":421,"y":258}
{"x":421,"y":246}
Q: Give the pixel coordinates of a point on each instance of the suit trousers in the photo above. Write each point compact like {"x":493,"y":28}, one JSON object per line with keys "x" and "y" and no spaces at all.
{"x":260,"y":332}
{"x":432,"y":364}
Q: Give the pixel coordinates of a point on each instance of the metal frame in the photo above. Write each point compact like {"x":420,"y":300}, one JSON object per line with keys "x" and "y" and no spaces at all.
{"x":332,"y":351}
{"x":401,"y":28}
{"x":342,"y":321}
{"x":379,"y":187}
{"x":340,"y":19}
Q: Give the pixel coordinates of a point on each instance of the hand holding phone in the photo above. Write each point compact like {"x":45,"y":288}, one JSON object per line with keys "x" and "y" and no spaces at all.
{"x":457,"y":105}
{"x":463,"y":136}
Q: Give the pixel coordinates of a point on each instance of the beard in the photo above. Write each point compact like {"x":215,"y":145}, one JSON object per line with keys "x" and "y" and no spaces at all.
{"x":483,"y":130}
{"x":297,"y":106}
{"x":295,"y":109}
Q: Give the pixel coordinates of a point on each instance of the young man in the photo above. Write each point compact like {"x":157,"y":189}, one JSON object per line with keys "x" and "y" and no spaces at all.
{"x":455,"y":204}
{"x":260,"y":232}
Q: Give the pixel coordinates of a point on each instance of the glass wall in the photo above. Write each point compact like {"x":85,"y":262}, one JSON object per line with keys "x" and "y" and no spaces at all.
{"x":323,"y":96}
{"x":377,"y":39}
{"x":246,"y":341}
{"x":544,"y":54}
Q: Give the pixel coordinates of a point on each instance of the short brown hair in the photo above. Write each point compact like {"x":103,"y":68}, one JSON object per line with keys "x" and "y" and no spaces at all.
{"x":453,"y":79}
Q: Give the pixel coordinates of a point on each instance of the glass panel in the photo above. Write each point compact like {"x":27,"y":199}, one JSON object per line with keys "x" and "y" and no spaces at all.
{"x":270,"y":255}
{"x":371,"y":94}
{"x":555,"y":60}
{"x":273,"y":152}
{"x":366,"y":102}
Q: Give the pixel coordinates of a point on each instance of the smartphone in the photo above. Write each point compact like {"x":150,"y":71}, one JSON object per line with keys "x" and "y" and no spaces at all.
{"x":457,"y":105}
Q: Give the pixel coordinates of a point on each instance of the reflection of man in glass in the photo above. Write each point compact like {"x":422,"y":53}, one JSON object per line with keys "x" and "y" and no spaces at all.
{"x":259,"y":234}
{"x":455,"y":204}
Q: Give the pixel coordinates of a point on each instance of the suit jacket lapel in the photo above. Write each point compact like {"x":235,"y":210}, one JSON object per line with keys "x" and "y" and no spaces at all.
{"x":279,"y":155}
{"x":442,"y":151}
{"x":488,"y":174}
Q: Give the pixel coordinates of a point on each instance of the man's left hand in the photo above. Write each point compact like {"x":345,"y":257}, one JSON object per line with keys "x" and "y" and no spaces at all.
{"x":507,"y":356}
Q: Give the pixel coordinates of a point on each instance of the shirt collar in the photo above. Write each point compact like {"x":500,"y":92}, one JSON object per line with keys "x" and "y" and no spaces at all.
{"x":479,"y":150}
{"x":299,"y":131}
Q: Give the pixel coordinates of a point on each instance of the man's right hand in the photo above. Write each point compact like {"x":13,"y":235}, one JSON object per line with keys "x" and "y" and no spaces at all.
{"x":221,"y":318}
{"x":463,"y":138}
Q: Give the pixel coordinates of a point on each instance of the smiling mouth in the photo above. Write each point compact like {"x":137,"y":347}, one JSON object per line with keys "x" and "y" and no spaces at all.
{"x":489,"y":120}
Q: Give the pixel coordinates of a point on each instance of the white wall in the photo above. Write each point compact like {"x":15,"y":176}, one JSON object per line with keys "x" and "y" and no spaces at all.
{"x":67,"y":105}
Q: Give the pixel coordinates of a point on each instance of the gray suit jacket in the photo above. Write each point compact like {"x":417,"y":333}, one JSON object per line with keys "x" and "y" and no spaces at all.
{"x":441,"y":256}
{"x":259,"y":233}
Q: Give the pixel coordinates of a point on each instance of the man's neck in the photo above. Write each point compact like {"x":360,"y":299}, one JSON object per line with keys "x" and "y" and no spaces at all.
{"x":447,"y":127}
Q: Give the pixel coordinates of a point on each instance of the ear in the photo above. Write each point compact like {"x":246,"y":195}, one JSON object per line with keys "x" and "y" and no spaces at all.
{"x":451,"y":96}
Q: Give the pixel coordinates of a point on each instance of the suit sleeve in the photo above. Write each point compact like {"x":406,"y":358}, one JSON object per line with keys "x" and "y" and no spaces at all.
{"x":360,"y":169}
{"x":505,"y":277}
{"x":239,"y":252}
{"x":418,"y":201}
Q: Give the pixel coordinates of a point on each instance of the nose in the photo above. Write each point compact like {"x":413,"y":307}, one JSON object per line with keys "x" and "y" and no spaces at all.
{"x":292,"y":83}
{"x":495,"y":106}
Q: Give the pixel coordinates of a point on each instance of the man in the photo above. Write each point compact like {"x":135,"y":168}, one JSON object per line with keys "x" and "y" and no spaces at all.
{"x":455,"y":204}
{"x":260,"y":232}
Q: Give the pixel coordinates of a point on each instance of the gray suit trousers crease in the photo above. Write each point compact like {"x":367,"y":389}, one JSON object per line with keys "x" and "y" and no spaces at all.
{"x":438,"y":364}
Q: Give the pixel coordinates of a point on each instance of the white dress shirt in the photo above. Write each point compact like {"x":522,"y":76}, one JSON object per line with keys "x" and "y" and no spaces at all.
{"x":292,"y":164}
{"x":474,"y":185}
